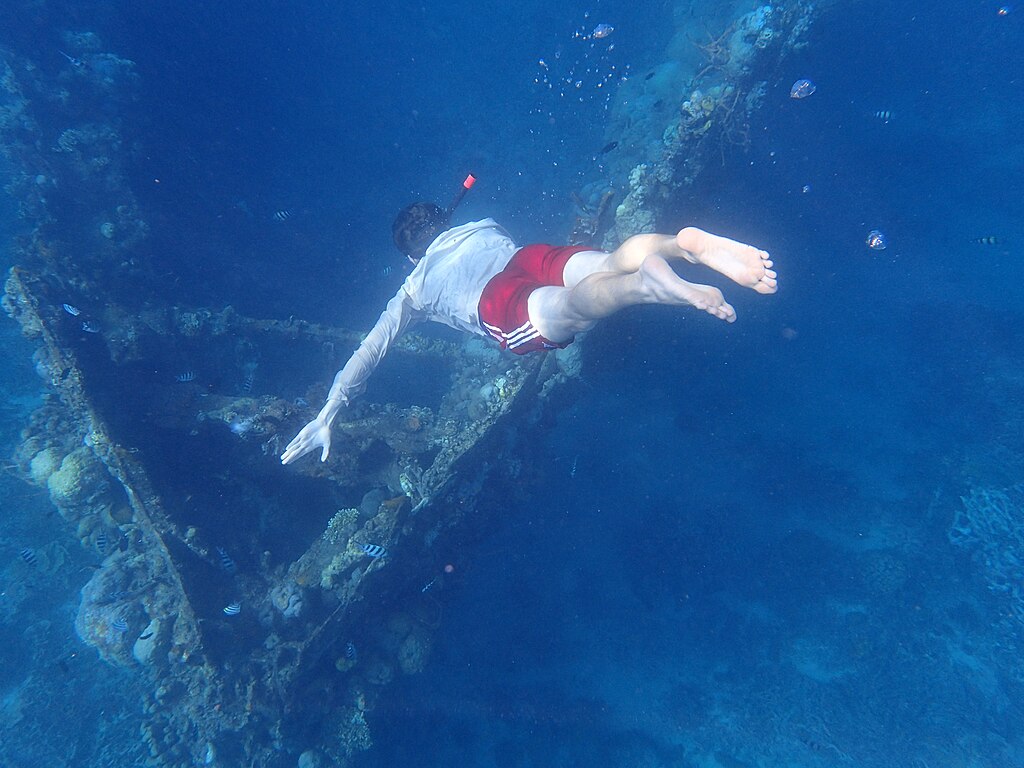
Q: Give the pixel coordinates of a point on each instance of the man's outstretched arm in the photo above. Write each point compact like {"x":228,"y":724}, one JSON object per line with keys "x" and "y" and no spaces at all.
{"x":351,"y":380}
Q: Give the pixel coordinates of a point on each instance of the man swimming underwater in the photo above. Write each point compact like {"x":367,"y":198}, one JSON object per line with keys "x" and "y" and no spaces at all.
{"x":476,"y":279}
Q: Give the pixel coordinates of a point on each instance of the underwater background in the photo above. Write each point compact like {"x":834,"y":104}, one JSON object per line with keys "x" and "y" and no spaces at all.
{"x":797,"y":540}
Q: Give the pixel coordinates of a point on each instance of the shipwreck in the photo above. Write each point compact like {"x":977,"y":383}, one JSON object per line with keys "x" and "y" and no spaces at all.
{"x":234,"y":585}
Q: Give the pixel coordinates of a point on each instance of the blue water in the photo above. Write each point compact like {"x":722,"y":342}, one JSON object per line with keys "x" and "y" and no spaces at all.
{"x":731,"y":545}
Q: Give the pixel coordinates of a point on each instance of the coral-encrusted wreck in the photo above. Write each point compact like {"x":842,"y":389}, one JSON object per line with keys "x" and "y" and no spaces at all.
{"x":173,"y":480}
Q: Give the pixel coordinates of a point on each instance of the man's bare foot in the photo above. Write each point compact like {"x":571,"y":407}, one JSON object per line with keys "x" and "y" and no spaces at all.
{"x":663,"y":286}
{"x":743,"y":264}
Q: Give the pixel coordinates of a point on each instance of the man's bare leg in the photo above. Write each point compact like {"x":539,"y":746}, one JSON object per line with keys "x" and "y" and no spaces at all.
{"x":560,"y":313}
{"x":743,"y":264}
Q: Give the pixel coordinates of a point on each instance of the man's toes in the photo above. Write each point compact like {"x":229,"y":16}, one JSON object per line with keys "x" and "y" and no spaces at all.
{"x":724,"y":311}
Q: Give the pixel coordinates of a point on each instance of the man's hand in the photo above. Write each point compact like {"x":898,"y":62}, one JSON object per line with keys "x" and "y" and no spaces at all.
{"x":316,"y":434}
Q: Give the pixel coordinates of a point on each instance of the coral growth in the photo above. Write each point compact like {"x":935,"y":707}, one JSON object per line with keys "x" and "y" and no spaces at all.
{"x":990,"y":525}
{"x":110,"y":620}
{"x":287,"y":598}
{"x":79,"y":484}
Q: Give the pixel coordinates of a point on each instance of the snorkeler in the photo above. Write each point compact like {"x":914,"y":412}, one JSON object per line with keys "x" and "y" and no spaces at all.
{"x":476,"y":279}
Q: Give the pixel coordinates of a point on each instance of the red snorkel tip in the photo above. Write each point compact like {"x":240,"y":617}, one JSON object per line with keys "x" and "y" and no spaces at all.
{"x":461,"y":193}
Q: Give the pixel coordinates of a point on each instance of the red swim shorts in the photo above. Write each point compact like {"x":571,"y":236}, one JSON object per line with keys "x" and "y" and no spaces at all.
{"x":503,"y":303}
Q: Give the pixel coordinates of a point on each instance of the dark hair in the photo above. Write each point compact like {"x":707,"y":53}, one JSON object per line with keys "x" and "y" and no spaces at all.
{"x":416,"y":226}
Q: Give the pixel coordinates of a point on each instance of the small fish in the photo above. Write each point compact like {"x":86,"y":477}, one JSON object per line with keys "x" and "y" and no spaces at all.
{"x":186,"y":377}
{"x":350,"y":651}
{"x":990,"y":240}
{"x":373,"y":550}
{"x":101,"y":542}
{"x":802,"y":88}
{"x":225,"y":560}
{"x":876,"y":240}
{"x":609,"y":147}
{"x":282,"y":215}
{"x":649,"y":75}
{"x":145,"y":636}
{"x":232,"y":609}
{"x":602,"y":31}
{"x":72,"y":310}
{"x":29,"y":555}
{"x":884,"y":115}
{"x":429,"y":584}
{"x":572,"y":472}
{"x":805,"y":188}
{"x":119,"y":624}
{"x":387,"y":270}
{"x":74,"y":61}
{"x":248,"y":381}
{"x":1004,"y":10}
{"x":90,"y":327}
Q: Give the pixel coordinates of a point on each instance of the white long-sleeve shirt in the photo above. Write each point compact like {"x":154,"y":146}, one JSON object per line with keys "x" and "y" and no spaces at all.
{"x":444,"y":287}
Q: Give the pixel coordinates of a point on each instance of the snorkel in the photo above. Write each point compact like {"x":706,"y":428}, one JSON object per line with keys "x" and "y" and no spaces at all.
{"x":466,"y":186}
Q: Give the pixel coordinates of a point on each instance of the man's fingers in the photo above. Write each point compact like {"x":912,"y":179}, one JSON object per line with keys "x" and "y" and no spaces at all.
{"x":307,"y":441}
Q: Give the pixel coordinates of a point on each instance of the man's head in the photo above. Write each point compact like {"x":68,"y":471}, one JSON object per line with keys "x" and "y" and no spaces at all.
{"x":416,"y":226}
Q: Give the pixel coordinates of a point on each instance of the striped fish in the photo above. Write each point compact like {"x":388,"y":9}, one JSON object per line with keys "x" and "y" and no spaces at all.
{"x":28,"y":555}
{"x":186,"y":377}
{"x":373,"y":550}
{"x":225,"y":560}
{"x":232,"y":609}
{"x":119,"y":624}
{"x":350,"y":651}
{"x":101,"y":542}
{"x":72,"y":310}
{"x":282,"y":215}
{"x":884,"y":115}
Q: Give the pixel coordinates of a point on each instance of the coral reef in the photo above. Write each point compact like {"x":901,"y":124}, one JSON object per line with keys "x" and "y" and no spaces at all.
{"x":990,"y":525}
